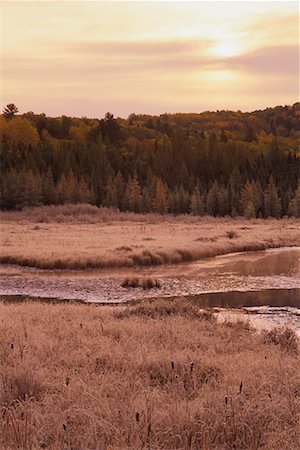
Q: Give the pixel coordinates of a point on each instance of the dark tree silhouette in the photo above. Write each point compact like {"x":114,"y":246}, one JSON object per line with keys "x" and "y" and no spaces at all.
{"x":10,"y":110}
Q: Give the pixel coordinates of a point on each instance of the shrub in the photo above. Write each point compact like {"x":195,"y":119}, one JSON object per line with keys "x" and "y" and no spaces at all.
{"x":285,"y":338}
{"x":231,"y":234}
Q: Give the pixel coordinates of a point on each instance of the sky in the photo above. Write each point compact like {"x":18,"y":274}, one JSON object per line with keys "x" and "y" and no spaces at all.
{"x":84,"y":58}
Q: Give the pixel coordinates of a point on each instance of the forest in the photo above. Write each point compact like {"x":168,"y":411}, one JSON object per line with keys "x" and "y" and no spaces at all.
{"x":216,"y":163}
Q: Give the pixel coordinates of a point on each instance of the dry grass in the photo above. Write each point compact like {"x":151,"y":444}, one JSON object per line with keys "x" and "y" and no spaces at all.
{"x":157,"y":375}
{"x":145,"y":283}
{"x":83,"y":236}
{"x":285,"y":338}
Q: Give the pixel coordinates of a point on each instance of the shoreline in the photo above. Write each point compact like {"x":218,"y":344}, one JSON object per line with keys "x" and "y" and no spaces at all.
{"x":146,"y":259}
{"x":213,"y":299}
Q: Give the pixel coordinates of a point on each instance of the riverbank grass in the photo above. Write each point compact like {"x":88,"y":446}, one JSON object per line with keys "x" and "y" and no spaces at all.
{"x":160,"y":375}
{"x":82,"y":236}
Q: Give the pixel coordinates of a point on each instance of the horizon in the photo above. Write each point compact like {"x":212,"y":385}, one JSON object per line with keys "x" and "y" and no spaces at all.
{"x":153,"y":115}
{"x":82,"y":59}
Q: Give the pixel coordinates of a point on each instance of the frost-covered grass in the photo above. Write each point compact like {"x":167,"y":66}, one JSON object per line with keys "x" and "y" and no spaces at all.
{"x":84,"y":236}
{"x":160,"y":375}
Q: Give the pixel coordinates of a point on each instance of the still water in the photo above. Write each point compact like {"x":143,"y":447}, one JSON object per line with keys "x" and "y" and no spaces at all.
{"x":265,"y":284}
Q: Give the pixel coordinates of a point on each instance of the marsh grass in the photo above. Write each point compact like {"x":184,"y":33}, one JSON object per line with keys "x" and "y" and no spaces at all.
{"x":285,"y":338}
{"x":84,"y":236}
{"x":144,"y":283}
{"x":157,"y":375}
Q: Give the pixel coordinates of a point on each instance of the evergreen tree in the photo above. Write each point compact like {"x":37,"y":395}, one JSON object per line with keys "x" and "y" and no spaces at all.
{"x":160,"y":201}
{"x":272,"y":202}
{"x":133,"y":195}
{"x":120,"y":190}
{"x":212,"y":200}
{"x":9,"y":111}
{"x":248,"y":201}
{"x":48,"y":188}
{"x":111,"y":198}
{"x":86,"y":195}
{"x":197,"y":203}
{"x":294,"y":205}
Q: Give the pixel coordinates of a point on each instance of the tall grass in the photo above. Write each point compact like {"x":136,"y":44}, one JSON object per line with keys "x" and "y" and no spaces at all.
{"x":158,"y":375}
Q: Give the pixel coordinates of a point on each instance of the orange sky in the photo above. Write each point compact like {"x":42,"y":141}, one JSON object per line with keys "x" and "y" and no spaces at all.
{"x":83,"y":58}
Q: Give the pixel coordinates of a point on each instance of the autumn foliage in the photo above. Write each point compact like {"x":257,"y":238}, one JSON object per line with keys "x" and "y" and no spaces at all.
{"x":217,"y":163}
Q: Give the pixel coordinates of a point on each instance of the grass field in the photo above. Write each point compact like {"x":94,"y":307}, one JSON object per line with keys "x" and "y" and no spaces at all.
{"x":83,"y":236}
{"x":150,"y":376}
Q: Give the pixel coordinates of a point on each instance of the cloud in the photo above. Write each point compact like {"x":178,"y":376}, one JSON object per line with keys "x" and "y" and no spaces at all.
{"x":280,"y":60}
{"x":141,"y":59}
{"x":136,"y":48}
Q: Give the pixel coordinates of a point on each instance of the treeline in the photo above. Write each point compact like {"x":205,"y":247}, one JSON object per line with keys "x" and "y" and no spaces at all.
{"x":218,"y":163}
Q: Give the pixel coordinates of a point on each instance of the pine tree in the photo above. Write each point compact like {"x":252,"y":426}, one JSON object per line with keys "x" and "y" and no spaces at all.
{"x":146,"y":202}
{"x":222,"y":200}
{"x":61,"y":190}
{"x":86,"y":195}
{"x":11,"y":190}
{"x":160,"y":201}
{"x":249,"y":211}
{"x":72,"y":189}
{"x":31,"y":188}
{"x":120,"y":189}
{"x":197,"y":203}
{"x":248,"y":202}
{"x":133,"y":195}
{"x":111,"y":198}
{"x":272,"y":201}
{"x":234,"y":187}
{"x":294,"y":205}
{"x":48,"y":188}
{"x":212,"y":199}
{"x":9,"y":111}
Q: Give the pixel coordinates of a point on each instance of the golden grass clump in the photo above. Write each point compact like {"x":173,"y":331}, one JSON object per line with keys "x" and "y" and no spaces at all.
{"x":158,"y":309}
{"x":145,"y":283}
{"x":156,"y":375}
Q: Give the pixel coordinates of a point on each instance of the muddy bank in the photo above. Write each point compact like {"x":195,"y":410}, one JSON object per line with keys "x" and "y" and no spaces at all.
{"x":254,"y":271}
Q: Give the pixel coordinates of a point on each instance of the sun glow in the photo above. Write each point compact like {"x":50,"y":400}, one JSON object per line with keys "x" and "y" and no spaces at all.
{"x":221,"y":75}
{"x":226,"y":49}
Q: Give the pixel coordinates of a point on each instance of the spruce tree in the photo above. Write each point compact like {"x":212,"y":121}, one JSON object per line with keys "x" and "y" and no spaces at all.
{"x":272,"y":201}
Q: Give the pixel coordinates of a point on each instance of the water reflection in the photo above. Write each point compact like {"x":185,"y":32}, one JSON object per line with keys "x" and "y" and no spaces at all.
{"x":268,"y":264}
{"x":239,"y":299}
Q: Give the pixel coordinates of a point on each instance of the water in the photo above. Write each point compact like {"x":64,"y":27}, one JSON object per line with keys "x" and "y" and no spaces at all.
{"x":271,"y":278}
